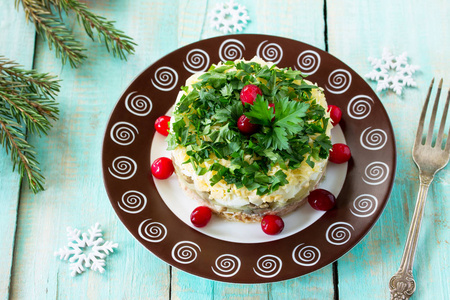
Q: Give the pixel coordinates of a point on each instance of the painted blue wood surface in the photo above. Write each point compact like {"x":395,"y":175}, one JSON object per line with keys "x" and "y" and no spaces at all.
{"x":397,"y":28}
{"x":70,"y":155}
{"x":16,"y":43}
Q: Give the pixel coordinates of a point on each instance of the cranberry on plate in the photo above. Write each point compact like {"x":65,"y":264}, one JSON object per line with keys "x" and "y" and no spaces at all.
{"x":245,"y":126}
{"x":162,"y":125}
{"x":339,"y":153}
{"x":200,"y":216}
{"x":249,"y":93}
{"x":335,"y":114}
{"x":272,"y":224}
{"x":321,"y":199}
{"x":162,"y":168}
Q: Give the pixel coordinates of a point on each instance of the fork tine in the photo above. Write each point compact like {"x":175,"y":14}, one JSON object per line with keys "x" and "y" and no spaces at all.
{"x":433,"y":115}
{"x":444,"y":119}
{"x":422,"y":117}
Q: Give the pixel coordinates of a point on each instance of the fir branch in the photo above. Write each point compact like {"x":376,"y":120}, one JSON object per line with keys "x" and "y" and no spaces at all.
{"x":30,"y":95}
{"x":26,"y":98}
{"x":42,"y":83}
{"x":115,"y":40}
{"x":53,"y":29}
{"x":50,"y":26}
{"x":22,"y":153}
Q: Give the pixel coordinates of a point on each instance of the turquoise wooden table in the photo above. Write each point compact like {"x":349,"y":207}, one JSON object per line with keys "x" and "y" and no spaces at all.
{"x":32,"y":226}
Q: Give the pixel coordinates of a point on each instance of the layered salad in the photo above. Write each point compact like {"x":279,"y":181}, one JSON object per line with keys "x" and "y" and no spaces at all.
{"x":249,"y":139}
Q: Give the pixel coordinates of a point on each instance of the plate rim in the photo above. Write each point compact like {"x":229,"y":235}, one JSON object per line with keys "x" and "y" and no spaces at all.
{"x":354,"y":243}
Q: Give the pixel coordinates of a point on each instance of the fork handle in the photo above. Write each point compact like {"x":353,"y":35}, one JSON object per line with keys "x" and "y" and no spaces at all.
{"x":402,"y":284}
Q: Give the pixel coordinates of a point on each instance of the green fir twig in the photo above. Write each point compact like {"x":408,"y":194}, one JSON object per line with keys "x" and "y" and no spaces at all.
{"x":51,"y":26}
{"x":54,"y":30}
{"x":27,"y":105}
{"x":115,"y":40}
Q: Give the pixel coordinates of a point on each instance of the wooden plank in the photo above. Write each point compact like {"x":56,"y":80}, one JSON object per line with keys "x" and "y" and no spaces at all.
{"x":267,"y":17}
{"x":16,"y":43}
{"x":271,"y":17}
{"x":70,"y":158}
{"x":74,"y":183}
{"x":361,"y":29}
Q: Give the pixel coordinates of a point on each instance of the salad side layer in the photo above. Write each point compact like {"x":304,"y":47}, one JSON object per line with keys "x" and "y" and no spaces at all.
{"x":293,"y":132}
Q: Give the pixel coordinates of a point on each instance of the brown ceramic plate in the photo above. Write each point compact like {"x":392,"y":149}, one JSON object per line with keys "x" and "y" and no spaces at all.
{"x":130,"y":137}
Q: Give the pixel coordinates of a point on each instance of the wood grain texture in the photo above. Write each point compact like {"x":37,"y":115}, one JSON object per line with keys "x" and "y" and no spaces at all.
{"x":70,"y":158}
{"x":358,"y":30}
{"x":70,"y":155}
{"x":302,"y":21}
{"x":16,"y":43}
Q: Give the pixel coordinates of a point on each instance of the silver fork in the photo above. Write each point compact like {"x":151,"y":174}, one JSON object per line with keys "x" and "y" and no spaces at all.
{"x":429,"y":159}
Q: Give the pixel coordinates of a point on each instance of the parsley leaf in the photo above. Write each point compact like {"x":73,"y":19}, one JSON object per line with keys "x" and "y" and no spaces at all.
{"x":217,"y":80}
{"x":276,"y":137}
{"x":289,"y":115}
{"x":222,"y":69}
{"x":229,"y":114}
{"x":259,"y":112}
{"x":287,"y":120}
{"x":227,"y":90}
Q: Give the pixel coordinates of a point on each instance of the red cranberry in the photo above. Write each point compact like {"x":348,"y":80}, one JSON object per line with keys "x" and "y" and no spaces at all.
{"x":249,"y":93}
{"x":200,"y":216}
{"x":162,"y":125}
{"x":272,"y":224}
{"x":321,"y":199}
{"x":245,"y":126}
{"x":335,"y":114}
{"x":162,"y":168}
{"x":340,"y":153}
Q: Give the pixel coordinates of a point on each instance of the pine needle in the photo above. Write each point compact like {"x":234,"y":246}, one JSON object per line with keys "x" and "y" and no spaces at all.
{"x":26,"y":103}
{"x":51,"y":26}
{"x":115,"y":40}
{"x":54,"y":30}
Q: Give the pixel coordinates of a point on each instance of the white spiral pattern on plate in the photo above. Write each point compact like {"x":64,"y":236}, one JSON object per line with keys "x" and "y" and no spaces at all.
{"x":339,"y":233}
{"x":308,"y":62}
{"x":305,"y":255}
{"x":227,"y":265}
{"x":376,"y":173}
{"x":270,"y":52}
{"x":185,"y":252}
{"x":153,"y":232}
{"x":165,"y":79}
{"x":197,"y":60}
{"x":123,"y":168}
{"x":374,"y":139}
{"x":123,"y":133}
{"x":133,"y":202}
{"x":268,"y":266}
{"x":364,"y":205}
{"x":359,"y":107}
{"x":138,"y":105}
{"x":339,"y":81}
{"x":231,"y":49}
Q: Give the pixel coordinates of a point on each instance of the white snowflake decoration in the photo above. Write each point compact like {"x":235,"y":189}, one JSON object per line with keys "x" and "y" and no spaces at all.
{"x":392,"y":72}
{"x":229,"y":17}
{"x":76,"y":255}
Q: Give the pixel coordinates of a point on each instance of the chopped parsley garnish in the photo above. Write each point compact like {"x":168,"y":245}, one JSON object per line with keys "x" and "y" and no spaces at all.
{"x":205,"y":123}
